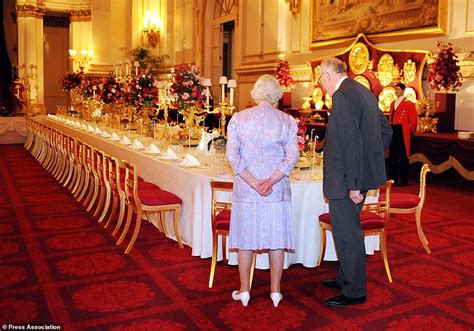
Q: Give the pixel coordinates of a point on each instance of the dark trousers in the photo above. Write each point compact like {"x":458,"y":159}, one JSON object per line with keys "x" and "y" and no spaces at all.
{"x":398,"y":160}
{"x":350,"y":247}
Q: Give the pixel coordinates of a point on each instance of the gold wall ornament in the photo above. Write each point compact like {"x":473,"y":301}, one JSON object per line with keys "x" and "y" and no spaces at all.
{"x":409,"y":72}
{"x":386,"y":70}
{"x":359,"y":58}
{"x":364,"y":81}
{"x":36,"y":11}
{"x":306,"y":107}
{"x":328,"y":101}
{"x":317,"y":97}
{"x":82,"y":15}
{"x":427,"y":124}
{"x":386,"y":97}
{"x":410,"y":94}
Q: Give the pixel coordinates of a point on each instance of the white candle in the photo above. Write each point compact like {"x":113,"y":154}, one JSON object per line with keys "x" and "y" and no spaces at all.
{"x":136,"y":64}
{"x":223,"y":93}
{"x":207,"y":95}
{"x":126,"y":68}
{"x":93,"y":94}
{"x":231,"y":98}
{"x":223,"y":82}
{"x":136,"y":71}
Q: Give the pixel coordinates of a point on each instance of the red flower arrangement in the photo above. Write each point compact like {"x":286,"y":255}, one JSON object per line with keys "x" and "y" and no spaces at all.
{"x":71,"y":80}
{"x":88,"y":85}
{"x":112,"y":91}
{"x":143,"y":91}
{"x":443,"y":73}
{"x":283,"y":74}
{"x":187,"y":87}
{"x":302,"y":137}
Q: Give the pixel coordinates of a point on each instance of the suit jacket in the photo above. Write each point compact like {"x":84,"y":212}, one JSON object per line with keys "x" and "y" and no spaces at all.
{"x":407,"y":116}
{"x":357,"y":136}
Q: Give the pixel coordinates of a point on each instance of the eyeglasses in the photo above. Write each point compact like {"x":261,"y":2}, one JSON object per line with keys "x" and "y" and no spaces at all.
{"x":321,"y":76}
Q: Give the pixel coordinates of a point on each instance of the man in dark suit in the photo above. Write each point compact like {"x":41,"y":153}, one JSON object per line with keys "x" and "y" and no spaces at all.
{"x":357,"y":136}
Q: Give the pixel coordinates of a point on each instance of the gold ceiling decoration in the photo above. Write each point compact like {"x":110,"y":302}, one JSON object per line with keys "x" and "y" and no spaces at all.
{"x":83,"y":15}
{"x":359,"y":58}
{"x":364,"y":81}
{"x":30,"y":11}
{"x":386,"y":70}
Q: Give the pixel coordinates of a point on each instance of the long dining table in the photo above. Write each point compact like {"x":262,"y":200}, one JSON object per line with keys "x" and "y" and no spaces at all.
{"x":192,"y":185}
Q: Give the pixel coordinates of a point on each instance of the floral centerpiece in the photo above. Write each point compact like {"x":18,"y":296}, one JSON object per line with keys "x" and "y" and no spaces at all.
{"x":283,"y":75}
{"x":71,"y":80}
{"x":112,"y":91}
{"x":444,"y":71}
{"x":88,"y":85}
{"x":143,"y":91}
{"x":187,"y":87}
{"x":303,"y":138}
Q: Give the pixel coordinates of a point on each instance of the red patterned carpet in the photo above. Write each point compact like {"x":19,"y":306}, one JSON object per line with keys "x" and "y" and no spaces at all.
{"x":57,"y":265}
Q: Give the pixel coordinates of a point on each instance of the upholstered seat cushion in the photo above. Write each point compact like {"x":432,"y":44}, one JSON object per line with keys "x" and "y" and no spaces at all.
{"x":222,"y":220}
{"x":157,"y":197}
{"x":402,"y":200}
{"x":141,"y":186}
{"x":369,"y":220}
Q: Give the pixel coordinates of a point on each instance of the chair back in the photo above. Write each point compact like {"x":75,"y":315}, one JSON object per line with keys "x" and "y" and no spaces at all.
{"x":131,"y":183}
{"x":113,"y":173}
{"x":422,"y":194}
{"x":219,"y":204}
{"x":381,"y":207}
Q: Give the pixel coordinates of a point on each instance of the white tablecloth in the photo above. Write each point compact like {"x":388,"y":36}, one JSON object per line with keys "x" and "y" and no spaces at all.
{"x":12,"y":130}
{"x":192,"y":186}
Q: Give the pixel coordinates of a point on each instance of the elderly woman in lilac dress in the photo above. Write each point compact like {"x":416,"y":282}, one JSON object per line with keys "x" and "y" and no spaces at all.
{"x":262,"y":149}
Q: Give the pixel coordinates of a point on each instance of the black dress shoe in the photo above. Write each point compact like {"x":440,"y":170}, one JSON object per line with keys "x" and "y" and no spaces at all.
{"x":341,"y":301}
{"x":331,"y":283}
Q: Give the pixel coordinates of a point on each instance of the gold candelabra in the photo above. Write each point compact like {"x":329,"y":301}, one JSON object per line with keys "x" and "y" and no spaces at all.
{"x":22,"y":87}
{"x":224,"y":110}
{"x":82,"y":59}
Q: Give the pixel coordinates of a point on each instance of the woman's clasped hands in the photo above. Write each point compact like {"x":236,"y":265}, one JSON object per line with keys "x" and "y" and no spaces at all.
{"x":263,"y":186}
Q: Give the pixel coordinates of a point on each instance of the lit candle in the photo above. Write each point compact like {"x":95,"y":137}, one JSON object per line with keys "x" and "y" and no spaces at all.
{"x":136,"y":65}
{"x":207,"y":95}
{"x":120,"y":67}
{"x":223,"y":82}
{"x":207,"y":84}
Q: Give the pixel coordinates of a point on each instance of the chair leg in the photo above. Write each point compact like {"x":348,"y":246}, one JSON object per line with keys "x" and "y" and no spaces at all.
{"x":121,"y":215}
{"x":128,"y":221}
{"x":163,"y":224}
{"x":100,"y":204}
{"x":113,"y":211}
{"x":94,"y":194}
{"x":215,"y":243}
{"x":383,"y":251}
{"x":135,"y":232}
{"x":176,"y":214}
{"x":421,"y":234}
{"x":252,"y":268}
{"x":322,"y":246}
{"x":106,"y":206}
{"x":85,"y":186}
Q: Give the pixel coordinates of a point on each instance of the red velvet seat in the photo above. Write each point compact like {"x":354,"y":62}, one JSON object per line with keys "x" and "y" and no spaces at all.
{"x":222,"y":220}
{"x":155,"y":197}
{"x":402,"y":200}
{"x":373,"y":218}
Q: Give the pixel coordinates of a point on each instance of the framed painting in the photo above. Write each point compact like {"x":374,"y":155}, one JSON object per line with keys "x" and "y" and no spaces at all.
{"x":339,"y":21}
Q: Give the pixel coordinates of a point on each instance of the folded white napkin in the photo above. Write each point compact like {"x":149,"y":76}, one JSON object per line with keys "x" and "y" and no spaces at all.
{"x":68,"y":121}
{"x":98,"y":131}
{"x":190,"y":161}
{"x":77,"y":125}
{"x":136,"y":144}
{"x":90,"y":129}
{"x":152,"y":149}
{"x":125,"y":141}
{"x":84,"y":126}
{"x":114,"y":137}
{"x":170,"y":155}
{"x":105,"y":134}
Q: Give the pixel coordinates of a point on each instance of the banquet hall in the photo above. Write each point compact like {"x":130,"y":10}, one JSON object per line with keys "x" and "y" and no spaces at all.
{"x":116,"y":191}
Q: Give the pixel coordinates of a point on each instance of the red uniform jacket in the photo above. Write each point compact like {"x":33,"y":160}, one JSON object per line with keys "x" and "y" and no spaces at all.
{"x":406,"y":116}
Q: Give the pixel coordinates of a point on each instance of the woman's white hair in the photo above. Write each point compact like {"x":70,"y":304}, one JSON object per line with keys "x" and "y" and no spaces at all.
{"x":266,"y":88}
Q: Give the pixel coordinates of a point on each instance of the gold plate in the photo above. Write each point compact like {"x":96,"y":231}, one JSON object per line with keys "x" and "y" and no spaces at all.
{"x":386,"y":97}
{"x":359,"y":58}
{"x":364,"y":81}
{"x":386,"y":70}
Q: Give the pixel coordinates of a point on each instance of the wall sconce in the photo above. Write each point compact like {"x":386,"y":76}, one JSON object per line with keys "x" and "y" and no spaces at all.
{"x":82,"y":59}
{"x":151,"y":29}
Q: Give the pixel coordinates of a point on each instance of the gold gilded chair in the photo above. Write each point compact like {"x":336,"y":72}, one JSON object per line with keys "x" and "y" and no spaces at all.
{"x":146,"y":198}
{"x":220,"y":221}
{"x":374,"y":220}
{"x":403,"y":203}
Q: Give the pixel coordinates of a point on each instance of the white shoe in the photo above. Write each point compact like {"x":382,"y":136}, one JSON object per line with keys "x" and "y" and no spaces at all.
{"x":276,"y":298}
{"x":243,"y":297}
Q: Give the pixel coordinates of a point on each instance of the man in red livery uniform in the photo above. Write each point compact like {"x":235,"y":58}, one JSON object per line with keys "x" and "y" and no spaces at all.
{"x":403,"y":118}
